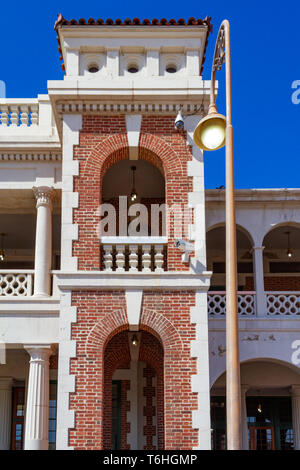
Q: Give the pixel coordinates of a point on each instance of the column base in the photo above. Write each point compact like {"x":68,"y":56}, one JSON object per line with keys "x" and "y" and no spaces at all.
{"x":36,"y":444}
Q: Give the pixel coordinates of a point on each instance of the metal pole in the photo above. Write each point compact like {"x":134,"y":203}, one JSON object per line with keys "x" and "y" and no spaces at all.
{"x":233,"y":387}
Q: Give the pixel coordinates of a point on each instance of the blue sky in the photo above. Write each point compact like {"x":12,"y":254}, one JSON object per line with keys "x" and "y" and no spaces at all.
{"x":265,"y":62}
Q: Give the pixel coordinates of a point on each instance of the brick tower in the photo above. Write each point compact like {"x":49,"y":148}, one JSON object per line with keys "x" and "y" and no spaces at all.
{"x":133,"y":369}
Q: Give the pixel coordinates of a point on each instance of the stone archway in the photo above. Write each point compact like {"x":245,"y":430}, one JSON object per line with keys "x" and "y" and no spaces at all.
{"x":133,"y":404}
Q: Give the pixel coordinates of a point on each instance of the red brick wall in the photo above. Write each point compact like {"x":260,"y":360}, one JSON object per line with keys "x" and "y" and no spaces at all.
{"x":103,"y":142}
{"x":100,"y":316}
{"x":276,"y":283}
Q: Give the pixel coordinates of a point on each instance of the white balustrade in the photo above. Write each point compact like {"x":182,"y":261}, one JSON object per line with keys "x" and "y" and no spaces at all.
{"x":134,"y":254}
{"x":22,"y":114}
{"x":283,"y":303}
{"x":216,"y":303}
{"x":16,"y":283}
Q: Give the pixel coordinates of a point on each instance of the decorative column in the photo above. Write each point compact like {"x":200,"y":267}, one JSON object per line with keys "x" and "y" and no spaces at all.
{"x":5,"y":412}
{"x":245,"y":439}
{"x":37,"y":405}
{"x":259,"y":286}
{"x":295,"y":394}
{"x":43,"y":240}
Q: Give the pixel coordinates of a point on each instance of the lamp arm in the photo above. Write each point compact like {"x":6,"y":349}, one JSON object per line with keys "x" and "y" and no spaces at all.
{"x":221,"y":55}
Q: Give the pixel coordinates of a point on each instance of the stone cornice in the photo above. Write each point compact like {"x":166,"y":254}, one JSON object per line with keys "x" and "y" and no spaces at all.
{"x":254,"y":195}
{"x":100,"y":280}
{"x":35,"y":157}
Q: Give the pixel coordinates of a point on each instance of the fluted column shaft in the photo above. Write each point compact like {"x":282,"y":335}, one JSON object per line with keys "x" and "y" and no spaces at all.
{"x":5,"y":412}
{"x":43,"y":240}
{"x":295,"y":394}
{"x":37,"y":405}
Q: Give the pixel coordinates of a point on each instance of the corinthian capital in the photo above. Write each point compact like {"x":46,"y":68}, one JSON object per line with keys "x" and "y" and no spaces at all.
{"x":44,"y":195}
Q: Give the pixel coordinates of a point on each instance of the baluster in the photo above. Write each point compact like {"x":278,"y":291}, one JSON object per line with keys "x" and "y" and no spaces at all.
{"x":120,"y":258}
{"x":34,"y":114}
{"x":4,"y":115}
{"x":133,"y":258}
{"x":146,"y":258}
{"x":158,"y":259}
{"x":108,"y":259}
{"x":14,"y":117}
{"x":24,"y":115}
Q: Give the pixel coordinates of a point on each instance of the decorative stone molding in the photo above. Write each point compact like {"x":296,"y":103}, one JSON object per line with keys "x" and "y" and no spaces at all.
{"x":142,"y":108}
{"x":133,"y":127}
{"x":44,"y":196}
{"x":24,"y":157}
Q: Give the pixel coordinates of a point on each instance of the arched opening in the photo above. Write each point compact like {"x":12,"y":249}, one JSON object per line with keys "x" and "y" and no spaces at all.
{"x":270,"y":399}
{"x":138,"y":182}
{"x":133,"y":406}
{"x":216,"y":262}
{"x":282,"y":258}
{"x":216,"y":256}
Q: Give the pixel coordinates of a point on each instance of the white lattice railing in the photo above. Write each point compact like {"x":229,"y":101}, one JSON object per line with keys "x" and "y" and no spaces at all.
{"x":134,"y":254}
{"x":216,"y":303}
{"x":22,"y":112}
{"x":16,"y":283}
{"x":283,"y":303}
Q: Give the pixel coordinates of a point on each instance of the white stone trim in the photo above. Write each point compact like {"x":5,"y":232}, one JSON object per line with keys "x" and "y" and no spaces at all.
{"x":37,"y":157}
{"x":196,"y":198}
{"x":200,"y":381}
{"x":66,"y":381}
{"x":133,"y":127}
{"x":70,"y":168}
{"x":134,"y":299}
{"x":133,"y":280}
{"x":123,"y":107}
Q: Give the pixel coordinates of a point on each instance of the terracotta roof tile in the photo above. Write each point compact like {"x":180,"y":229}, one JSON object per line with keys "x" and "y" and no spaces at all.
{"x":61,"y":21}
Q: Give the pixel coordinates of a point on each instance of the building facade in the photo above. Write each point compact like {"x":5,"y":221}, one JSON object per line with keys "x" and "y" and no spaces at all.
{"x":112,"y":327}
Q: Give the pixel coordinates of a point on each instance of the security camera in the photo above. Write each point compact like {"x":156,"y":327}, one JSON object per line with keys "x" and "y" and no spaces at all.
{"x":185,"y":247}
{"x":179,"y":124}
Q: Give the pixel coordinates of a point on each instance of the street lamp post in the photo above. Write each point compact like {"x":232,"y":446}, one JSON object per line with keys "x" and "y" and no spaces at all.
{"x":213,"y":132}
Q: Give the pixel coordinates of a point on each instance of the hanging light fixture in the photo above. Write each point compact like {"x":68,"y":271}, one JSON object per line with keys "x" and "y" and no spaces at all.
{"x":2,"y":254}
{"x":259,"y":409}
{"x":133,"y":195}
{"x":134,"y":340}
{"x":289,"y":251}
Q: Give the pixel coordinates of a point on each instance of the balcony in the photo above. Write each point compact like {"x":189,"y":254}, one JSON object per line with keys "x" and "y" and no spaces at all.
{"x":279,"y":304}
{"x":134,"y":254}
{"x":20,"y":284}
{"x":27,"y":122}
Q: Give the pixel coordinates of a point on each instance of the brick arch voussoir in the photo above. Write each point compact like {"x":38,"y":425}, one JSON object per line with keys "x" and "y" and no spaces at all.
{"x":163,"y":328}
{"x":102,"y":151}
{"x":102,"y":331}
{"x":170,"y":159}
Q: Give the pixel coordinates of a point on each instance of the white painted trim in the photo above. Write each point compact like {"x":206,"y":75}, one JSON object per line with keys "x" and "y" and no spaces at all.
{"x":134,"y":308}
{"x":70,"y":168}
{"x":133,"y":127}
{"x":66,"y":381}
{"x":200,"y":381}
{"x":127,"y":280}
